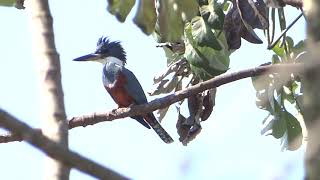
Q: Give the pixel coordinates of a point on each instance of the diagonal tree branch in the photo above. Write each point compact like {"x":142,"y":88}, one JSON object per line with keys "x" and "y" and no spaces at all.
{"x":163,"y":102}
{"x":54,"y":150}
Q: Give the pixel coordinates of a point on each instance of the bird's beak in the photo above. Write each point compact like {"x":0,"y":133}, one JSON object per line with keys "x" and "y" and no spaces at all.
{"x":88,"y":57}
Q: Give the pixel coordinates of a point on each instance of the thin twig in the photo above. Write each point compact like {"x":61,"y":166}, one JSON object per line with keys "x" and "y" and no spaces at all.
{"x":285,"y":31}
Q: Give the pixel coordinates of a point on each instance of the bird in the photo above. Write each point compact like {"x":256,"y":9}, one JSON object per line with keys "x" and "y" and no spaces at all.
{"x":121,"y":83}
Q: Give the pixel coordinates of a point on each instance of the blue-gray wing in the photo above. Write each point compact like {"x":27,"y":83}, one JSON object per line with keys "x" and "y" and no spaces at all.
{"x":133,"y":87}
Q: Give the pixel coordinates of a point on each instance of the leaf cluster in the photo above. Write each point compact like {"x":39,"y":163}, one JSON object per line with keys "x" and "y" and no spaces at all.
{"x":281,"y":95}
{"x":198,"y":37}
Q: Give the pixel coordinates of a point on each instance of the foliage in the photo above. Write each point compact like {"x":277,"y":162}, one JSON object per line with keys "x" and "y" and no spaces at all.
{"x":7,"y":2}
{"x":281,"y":95}
{"x":198,"y":37}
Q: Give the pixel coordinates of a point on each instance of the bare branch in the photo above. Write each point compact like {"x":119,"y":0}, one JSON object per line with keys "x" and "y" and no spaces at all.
{"x":52,"y":108}
{"x":54,"y":149}
{"x":163,"y":102}
{"x":311,"y":85}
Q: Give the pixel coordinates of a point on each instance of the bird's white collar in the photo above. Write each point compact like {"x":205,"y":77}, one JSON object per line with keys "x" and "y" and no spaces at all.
{"x":111,"y":60}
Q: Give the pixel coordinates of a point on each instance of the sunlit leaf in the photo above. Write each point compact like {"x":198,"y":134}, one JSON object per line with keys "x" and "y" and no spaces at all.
{"x":287,"y":94}
{"x":279,"y":49}
{"x":170,"y":21}
{"x":203,"y":35}
{"x":205,"y":62}
{"x":120,"y":8}
{"x":7,"y":2}
{"x":275,"y":59}
{"x":299,"y":47}
{"x":299,"y":51}
{"x":213,"y":15}
{"x":146,"y":16}
{"x":260,"y":82}
{"x":289,"y":42}
{"x":188,"y":9}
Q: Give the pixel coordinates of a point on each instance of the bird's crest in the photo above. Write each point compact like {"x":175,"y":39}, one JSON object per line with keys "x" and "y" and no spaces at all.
{"x":111,"y":48}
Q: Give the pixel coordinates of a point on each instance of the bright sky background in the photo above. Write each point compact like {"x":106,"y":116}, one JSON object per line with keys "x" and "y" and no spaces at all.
{"x":229,"y":147}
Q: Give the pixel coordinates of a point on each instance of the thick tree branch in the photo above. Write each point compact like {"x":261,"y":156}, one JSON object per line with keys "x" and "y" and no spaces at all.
{"x":52,"y":108}
{"x":54,"y":150}
{"x":311,"y":85}
{"x":175,"y":97}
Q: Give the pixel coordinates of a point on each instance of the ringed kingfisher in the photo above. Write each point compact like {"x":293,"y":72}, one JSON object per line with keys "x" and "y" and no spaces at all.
{"x":121,"y":83}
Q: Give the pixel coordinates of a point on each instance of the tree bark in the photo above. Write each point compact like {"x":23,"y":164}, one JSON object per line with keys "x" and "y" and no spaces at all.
{"x":311,"y":91}
{"x":51,"y":95}
{"x":54,"y":150}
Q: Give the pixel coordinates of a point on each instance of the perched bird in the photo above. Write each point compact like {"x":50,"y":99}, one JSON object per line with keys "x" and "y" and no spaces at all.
{"x":121,"y":83}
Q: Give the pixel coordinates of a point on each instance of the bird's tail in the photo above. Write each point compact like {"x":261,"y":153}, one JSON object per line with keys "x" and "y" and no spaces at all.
{"x":152,"y":121}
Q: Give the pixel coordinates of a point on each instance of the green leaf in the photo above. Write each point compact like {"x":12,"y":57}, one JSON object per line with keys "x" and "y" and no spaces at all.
{"x":170,"y":22}
{"x":7,"y":2}
{"x":289,"y":42}
{"x":275,"y":59}
{"x":294,"y":132}
{"x":278,"y":49}
{"x":299,"y":51}
{"x":275,"y":108}
{"x":203,"y":35}
{"x":287,"y":94}
{"x":227,"y":5}
{"x":294,"y":86}
{"x":282,"y":19}
{"x":171,"y":56}
{"x":279,"y":126}
{"x":146,"y":16}
{"x":262,"y":101}
{"x":299,"y":47}
{"x":215,"y":59}
{"x":299,"y":103}
{"x":213,"y":15}
{"x":120,"y":8}
{"x":188,"y":9}
{"x":260,"y":82}
{"x":206,"y":62}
